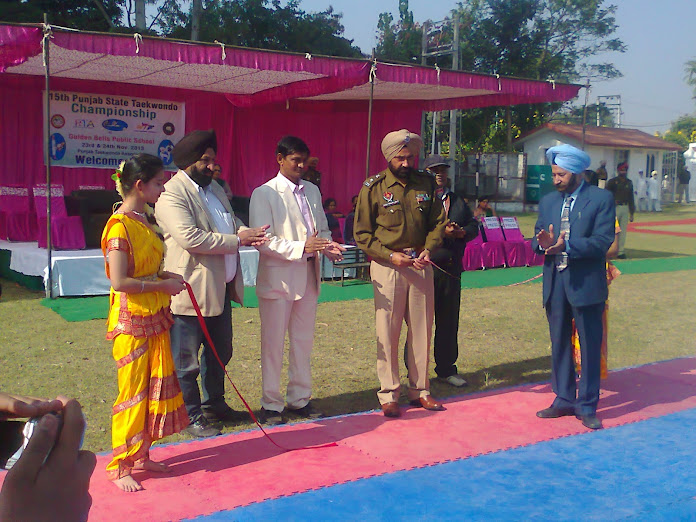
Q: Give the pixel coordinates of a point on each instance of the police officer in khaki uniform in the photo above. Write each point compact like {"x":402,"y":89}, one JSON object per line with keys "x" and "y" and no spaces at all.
{"x":398,"y":221}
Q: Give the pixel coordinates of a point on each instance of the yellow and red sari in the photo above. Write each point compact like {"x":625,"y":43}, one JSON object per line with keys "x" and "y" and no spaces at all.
{"x":149,"y":405}
{"x":612,"y":273}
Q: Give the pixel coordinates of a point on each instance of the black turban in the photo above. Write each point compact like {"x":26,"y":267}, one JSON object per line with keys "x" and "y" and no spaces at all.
{"x":192,"y":146}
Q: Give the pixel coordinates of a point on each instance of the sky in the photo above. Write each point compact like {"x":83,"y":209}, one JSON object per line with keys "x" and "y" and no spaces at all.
{"x":660,"y":37}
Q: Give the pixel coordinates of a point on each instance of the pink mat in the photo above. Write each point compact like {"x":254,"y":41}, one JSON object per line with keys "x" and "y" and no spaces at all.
{"x":238,"y":469}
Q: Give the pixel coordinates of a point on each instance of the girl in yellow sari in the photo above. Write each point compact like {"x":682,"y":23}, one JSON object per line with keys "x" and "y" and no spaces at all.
{"x":612,"y":273}
{"x":149,"y":404}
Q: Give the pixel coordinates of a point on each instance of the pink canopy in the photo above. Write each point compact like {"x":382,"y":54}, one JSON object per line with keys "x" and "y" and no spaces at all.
{"x":251,"y":97}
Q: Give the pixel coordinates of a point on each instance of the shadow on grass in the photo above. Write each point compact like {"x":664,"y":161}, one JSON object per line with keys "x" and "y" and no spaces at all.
{"x":647,"y":254}
{"x":499,"y":376}
{"x":484,"y":379}
{"x":13,"y":291}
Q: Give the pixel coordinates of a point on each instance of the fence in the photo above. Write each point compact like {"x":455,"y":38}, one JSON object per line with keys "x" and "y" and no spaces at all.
{"x":501,"y":176}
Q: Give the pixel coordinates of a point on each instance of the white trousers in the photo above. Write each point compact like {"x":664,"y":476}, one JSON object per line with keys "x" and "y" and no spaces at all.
{"x":297,"y":318}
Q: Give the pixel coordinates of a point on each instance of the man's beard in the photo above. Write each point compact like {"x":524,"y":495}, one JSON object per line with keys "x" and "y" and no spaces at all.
{"x":400,"y":172}
{"x":202,"y":177}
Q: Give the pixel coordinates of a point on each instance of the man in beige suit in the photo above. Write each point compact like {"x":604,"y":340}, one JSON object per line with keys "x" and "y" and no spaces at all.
{"x":202,"y":243}
{"x":287,"y":284}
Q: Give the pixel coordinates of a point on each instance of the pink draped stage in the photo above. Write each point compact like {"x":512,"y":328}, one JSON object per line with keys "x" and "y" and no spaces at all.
{"x":250,"y":97}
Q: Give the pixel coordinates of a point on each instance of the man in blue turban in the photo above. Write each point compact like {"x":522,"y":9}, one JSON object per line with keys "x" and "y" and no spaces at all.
{"x":574,"y":230}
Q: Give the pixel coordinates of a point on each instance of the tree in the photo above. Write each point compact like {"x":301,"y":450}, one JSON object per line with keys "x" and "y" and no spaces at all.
{"x":86,"y":15}
{"x":262,"y":24}
{"x":537,"y":39}
{"x":690,"y":69}
{"x":682,"y":132}
{"x":400,"y":41}
{"x":573,"y":115}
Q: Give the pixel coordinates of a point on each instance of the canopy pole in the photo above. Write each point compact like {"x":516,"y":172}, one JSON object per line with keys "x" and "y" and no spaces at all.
{"x":584,"y":112}
{"x":373,"y":72}
{"x":47,"y":152}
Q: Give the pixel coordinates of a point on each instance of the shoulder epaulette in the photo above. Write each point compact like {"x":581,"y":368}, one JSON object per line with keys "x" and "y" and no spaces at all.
{"x":373,"y":179}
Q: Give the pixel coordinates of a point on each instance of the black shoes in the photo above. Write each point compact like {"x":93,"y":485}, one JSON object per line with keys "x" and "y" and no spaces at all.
{"x":270,"y":417}
{"x":590,"y":421}
{"x":554,"y":413}
{"x":225,"y":415}
{"x":201,"y":428}
{"x":307,"y":412}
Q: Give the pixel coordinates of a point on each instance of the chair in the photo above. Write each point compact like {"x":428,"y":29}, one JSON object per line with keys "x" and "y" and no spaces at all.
{"x":473,"y":256}
{"x":17,"y":222}
{"x":515,"y":247}
{"x":354,"y":258}
{"x":492,"y":249}
{"x":66,"y":231}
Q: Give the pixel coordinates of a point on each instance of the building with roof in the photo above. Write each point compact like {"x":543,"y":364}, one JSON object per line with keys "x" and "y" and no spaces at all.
{"x":613,"y":145}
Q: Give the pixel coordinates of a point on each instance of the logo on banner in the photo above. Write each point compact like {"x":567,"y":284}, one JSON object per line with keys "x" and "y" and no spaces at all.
{"x":114,"y":125}
{"x":164,"y":151}
{"x":168,"y":128}
{"x":58,"y":146}
{"x":57,"y":121}
{"x":83,"y":124}
{"x":144,"y":127}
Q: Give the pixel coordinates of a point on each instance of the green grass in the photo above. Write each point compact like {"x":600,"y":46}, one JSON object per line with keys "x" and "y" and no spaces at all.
{"x":503,"y":339}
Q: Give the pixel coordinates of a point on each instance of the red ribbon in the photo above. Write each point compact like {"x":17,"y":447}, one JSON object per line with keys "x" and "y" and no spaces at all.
{"x":201,"y":321}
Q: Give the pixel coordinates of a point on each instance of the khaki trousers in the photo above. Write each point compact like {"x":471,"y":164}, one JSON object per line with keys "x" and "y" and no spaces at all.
{"x":298,"y":319}
{"x":402,"y":293}
{"x":623,"y":216}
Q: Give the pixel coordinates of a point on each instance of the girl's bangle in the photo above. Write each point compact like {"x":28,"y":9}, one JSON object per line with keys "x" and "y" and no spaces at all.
{"x":142,"y":287}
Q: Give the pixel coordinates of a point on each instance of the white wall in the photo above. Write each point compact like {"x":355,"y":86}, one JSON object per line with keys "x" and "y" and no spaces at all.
{"x":535,"y":147}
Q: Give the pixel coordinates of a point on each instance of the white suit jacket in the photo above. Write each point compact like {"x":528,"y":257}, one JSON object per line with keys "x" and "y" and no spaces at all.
{"x":282,"y":272}
{"x":195,"y":247}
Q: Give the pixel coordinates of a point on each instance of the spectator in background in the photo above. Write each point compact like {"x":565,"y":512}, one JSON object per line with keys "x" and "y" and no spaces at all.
{"x":591,"y":177}
{"x":483,"y":209}
{"x":654,"y":192}
{"x":332,"y":216}
{"x":602,"y":174}
{"x":683,"y":186}
{"x":311,"y":173}
{"x":622,"y":189}
{"x":460,"y":228}
{"x":217,"y":170}
{"x":642,"y":192}
{"x":350,"y":218}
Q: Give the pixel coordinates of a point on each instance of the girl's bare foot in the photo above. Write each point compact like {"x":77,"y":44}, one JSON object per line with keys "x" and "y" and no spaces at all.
{"x":151,"y":465}
{"x":128,"y":484}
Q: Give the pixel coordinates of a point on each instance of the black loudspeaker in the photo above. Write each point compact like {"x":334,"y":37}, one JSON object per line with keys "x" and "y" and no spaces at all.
{"x":94,"y":208}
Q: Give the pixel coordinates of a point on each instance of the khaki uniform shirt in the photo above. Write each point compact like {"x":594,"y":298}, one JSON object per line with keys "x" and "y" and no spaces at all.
{"x":392,"y":217}
{"x":622,"y":188}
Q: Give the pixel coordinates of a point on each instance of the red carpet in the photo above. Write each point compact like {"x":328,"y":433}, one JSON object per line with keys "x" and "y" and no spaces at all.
{"x":239,"y":469}
{"x":654,"y":227}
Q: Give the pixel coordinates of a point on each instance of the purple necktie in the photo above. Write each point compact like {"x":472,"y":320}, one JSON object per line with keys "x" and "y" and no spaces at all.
{"x":304,"y":208}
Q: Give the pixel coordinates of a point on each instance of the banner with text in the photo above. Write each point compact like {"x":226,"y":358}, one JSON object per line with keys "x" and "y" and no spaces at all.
{"x":101,"y":130}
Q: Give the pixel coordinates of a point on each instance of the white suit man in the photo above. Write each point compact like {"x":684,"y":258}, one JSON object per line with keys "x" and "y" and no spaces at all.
{"x":288,"y":280}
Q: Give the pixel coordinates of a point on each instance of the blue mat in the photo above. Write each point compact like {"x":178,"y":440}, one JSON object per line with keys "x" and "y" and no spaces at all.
{"x":641,"y":471}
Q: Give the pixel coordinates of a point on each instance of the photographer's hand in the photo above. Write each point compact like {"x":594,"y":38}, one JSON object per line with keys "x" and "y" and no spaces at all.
{"x":57,"y":489}
{"x":12,"y":406}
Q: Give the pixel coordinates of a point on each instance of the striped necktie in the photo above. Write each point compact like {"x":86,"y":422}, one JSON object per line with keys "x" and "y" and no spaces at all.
{"x":562,"y":258}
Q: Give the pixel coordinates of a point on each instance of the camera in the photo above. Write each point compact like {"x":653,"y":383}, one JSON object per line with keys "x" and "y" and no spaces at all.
{"x":15,"y":436}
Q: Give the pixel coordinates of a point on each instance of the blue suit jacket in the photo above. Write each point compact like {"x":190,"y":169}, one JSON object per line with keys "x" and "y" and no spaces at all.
{"x":591,"y":234}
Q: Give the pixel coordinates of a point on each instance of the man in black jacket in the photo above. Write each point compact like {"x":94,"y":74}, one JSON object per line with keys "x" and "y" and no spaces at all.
{"x":461,"y":228}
